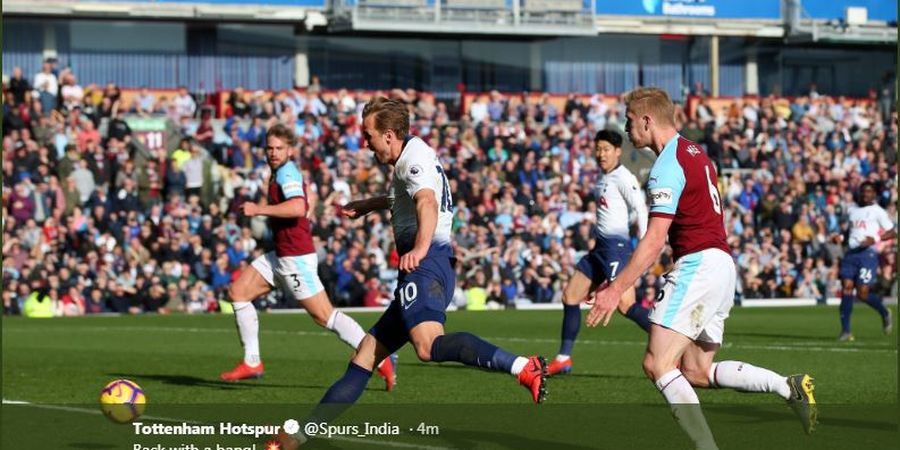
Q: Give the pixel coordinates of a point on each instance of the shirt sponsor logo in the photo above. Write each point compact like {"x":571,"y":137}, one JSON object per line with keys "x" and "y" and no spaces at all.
{"x":661,"y":196}
{"x":292,"y":186}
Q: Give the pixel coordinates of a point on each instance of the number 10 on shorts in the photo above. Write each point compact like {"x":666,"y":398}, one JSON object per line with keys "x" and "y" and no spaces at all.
{"x":408,"y":294}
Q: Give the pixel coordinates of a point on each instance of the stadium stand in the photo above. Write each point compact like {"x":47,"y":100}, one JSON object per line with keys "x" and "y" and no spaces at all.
{"x":99,"y":221}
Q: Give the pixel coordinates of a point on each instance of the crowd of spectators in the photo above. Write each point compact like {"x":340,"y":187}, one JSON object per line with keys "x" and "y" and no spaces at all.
{"x":95,"y":221}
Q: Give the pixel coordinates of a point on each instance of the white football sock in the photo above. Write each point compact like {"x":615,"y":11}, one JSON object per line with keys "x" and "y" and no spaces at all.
{"x":746,"y":377}
{"x":346,"y":328}
{"x":562,"y":358}
{"x":248,"y":328}
{"x":686,"y":408}
{"x":518,"y":365}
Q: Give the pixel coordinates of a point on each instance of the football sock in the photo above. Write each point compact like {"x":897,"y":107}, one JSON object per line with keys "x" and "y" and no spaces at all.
{"x":748,"y":378}
{"x":518,"y":365}
{"x":471,"y":351}
{"x":639,"y":315}
{"x":346,"y":328}
{"x":846,"y":310}
{"x":570,"y":326}
{"x":348,"y":389}
{"x":248,"y":328}
{"x":686,"y":408}
{"x":876,"y":302}
{"x":340,"y":396}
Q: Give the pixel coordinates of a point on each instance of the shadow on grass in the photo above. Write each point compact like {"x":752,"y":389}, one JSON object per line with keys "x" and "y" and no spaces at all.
{"x":568,"y":375}
{"x":192,"y":381}
{"x":826,"y":417}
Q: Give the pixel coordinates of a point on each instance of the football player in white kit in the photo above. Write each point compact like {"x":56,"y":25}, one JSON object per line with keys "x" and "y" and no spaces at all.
{"x":422,"y":212}
{"x":620,"y":202}
{"x":859,"y":267}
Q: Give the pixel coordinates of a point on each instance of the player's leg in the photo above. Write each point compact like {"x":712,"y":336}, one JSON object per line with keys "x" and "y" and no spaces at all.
{"x":698,"y":367}
{"x":616,"y":259}
{"x":433,"y":345}
{"x":868,"y":275}
{"x":347,"y":390}
{"x":424,"y":295}
{"x":575,"y":292}
{"x":255,"y":281}
{"x":577,"y":289}
{"x":848,"y":273}
{"x":664,"y":350}
{"x":326,"y":316}
{"x":629,"y":307}
{"x":300,"y":274}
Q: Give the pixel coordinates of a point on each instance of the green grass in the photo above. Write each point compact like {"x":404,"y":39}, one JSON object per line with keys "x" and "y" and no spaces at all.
{"x":177,"y":359}
{"x":605,"y":403}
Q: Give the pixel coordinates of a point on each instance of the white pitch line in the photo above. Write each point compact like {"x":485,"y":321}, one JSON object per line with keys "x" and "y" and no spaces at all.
{"x":89,"y":411}
{"x":172,"y":420}
{"x":800,"y":346}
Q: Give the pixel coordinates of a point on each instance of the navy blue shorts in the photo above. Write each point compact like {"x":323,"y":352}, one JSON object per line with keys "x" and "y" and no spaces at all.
{"x":861,"y":266}
{"x":605,"y":260}
{"x":421,"y":296}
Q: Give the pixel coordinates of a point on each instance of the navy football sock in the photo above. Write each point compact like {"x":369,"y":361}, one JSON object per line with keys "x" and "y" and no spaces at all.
{"x":640,"y":316}
{"x":342,"y":394}
{"x":471,"y":350}
{"x":846,"y":310}
{"x":876,"y":302}
{"x":570,"y":326}
{"x":350,"y":387}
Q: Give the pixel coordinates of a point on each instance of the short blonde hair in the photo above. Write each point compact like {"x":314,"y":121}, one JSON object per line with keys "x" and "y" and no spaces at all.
{"x":653,"y":102}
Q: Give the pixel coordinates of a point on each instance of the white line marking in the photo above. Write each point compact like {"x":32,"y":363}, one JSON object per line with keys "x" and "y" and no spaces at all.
{"x":89,"y":411}
{"x":799,"y":346}
{"x":171,"y":420}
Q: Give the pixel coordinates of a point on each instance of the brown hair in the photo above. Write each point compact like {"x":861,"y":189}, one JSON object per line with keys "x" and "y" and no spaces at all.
{"x":283,"y":132}
{"x":389,"y":115}
{"x":653,"y":102}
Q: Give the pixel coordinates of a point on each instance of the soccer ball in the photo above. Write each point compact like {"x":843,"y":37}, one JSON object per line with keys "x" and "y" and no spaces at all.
{"x":122,"y":401}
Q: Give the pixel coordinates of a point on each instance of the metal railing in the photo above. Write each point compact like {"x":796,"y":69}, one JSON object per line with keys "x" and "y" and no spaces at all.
{"x":469,"y":15}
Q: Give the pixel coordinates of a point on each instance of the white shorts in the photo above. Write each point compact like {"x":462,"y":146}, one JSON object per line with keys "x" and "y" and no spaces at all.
{"x":697,"y":296}
{"x":298,"y":275}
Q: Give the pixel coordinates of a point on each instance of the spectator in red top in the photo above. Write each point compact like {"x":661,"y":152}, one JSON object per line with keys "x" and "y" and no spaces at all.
{"x":73,"y":302}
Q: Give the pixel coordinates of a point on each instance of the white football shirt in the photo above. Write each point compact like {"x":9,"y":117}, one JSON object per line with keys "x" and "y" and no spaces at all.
{"x":620,"y":200}
{"x":419,"y":168}
{"x":867,"y":221}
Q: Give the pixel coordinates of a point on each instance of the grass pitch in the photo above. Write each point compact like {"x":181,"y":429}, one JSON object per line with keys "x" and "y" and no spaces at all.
{"x":177,"y":360}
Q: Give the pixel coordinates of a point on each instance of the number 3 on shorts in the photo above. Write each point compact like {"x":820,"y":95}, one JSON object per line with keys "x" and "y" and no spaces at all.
{"x":296,"y":281}
{"x":408,"y":294}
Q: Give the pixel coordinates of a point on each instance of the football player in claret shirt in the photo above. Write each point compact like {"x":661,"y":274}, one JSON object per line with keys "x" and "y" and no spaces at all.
{"x":292,"y":265}
{"x":688,"y":321}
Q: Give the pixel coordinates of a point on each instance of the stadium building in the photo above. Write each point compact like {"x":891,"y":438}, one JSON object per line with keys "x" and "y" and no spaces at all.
{"x":722,"y":47}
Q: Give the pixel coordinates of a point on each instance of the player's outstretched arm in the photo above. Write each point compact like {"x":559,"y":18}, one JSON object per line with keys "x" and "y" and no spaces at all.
{"x":359,"y":208}
{"x":290,"y":209}
{"x":426,"y":223}
{"x":648,"y":249}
